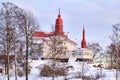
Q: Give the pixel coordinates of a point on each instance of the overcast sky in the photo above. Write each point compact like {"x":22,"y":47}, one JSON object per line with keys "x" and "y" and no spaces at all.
{"x":97,"y":16}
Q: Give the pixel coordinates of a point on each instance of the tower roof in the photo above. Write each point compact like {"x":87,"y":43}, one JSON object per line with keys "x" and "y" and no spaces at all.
{"x":59,"y":19}
{"x":58,"y":29}
{"x":59,"y":13}
{"x":83,"y":43}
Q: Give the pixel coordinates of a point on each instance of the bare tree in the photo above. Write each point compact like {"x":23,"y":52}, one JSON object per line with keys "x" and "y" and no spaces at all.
{"x":57,"y":49}
{"x":8,"y":31}
{"x":114,"y":48}
{"x":110,"y":51}
{"x":95,"y":47}
{"x":27,"y":26}
{"x":16,"y":26}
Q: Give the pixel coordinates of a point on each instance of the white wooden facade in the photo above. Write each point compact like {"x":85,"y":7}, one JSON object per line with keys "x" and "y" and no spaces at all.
{"x":65,"y":45}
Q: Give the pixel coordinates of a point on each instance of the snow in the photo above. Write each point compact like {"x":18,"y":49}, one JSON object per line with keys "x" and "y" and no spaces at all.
{"x":72,"y":58}
{"x":89,"y":70}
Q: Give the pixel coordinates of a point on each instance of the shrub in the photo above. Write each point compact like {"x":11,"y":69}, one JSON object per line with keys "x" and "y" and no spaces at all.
{"x":87,"y":78}
{"x":99,"y":65}
{"x":20,"y":72}
{"x":48,"y":71}
{"x":69,"y":67}
{"x":60,"y":71}
{"x":29,"y":69}
{"x":94,"y":65}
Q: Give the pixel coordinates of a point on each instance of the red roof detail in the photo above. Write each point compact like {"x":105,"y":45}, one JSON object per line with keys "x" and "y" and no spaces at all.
{"x":42,"y":34}
{"x":83,"y":43}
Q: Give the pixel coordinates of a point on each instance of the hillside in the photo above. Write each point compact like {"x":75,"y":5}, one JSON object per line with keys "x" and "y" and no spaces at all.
{"x":73,"y":71}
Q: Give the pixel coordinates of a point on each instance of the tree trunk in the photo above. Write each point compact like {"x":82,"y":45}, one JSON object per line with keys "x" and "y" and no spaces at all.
{"x":15,"y":69}
{"x":8,"y":51}
{"x":101,"y":65}
{"x":15,"y":64}
{"x":111,"y":60}
{"x":5,"y":67}
{"x":27,"y":57}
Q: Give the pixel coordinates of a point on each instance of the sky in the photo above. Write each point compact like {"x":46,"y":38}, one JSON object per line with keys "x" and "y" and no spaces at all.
{"x":97,"y":16}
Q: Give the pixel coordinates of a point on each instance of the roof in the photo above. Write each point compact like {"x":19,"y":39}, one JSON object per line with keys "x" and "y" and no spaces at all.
{"x":43,"y":34}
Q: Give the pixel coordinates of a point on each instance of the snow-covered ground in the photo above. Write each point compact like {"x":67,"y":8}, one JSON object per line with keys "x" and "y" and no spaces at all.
{"x":73,"y":73}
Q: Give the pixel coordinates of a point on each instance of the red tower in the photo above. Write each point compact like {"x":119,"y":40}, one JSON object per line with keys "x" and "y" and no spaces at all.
{"x":58,"y":29}
{"x":59,"y":25}
{"x":83,"y":43}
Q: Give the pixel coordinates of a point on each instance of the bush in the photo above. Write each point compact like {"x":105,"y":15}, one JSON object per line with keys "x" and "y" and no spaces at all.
{"x":94,"y":66}
{"x":20,"y":72}
{"x":87,"y":78}
{"x":48,"y":71}
{"x":60,"y":72}
{"x":29,"y":69}
{"x":99,"y":65}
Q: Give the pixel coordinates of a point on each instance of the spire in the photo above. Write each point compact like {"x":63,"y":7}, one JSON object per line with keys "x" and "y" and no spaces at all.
{"x":59,"y":13}
{"x":83,"y":43}
{"x":83,"y":33}
{"x":59,"y":25}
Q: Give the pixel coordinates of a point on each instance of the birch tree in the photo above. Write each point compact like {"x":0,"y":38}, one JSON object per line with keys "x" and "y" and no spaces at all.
{"x":8,"y":22}
{"x":16,"y":26}
{"x":27,"y":26}
{"x":114,"y":48}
